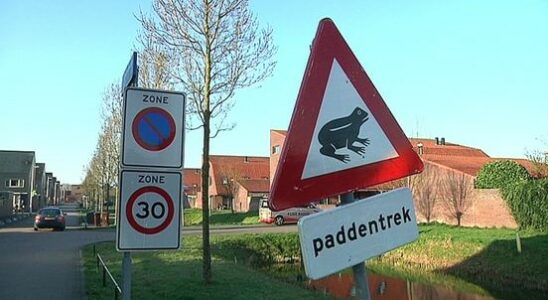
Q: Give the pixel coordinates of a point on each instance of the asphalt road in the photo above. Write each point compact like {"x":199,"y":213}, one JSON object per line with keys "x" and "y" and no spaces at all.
{"x":44,"y":264}
{"x":47,"y":264}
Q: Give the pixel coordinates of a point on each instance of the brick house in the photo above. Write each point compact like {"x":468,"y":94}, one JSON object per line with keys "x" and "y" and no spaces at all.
{"x":487,"y":206}
{"x":237,"y":182}
{"x":192,"y":187}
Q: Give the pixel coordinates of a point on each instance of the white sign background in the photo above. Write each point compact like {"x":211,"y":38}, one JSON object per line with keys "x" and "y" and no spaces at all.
{"x":329,"y":260}
{"x":339,"y":100}
{"x":127,"y":237}
{"x":133,"y":154}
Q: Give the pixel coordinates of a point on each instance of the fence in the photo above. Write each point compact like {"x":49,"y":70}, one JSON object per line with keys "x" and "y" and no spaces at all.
{"x":105,"y":272}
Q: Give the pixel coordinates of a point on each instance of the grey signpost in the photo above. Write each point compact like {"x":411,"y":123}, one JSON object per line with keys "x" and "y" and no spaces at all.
{"x":149,"y":213}
{"x":130,"y":78}
{"x":360,"y":274}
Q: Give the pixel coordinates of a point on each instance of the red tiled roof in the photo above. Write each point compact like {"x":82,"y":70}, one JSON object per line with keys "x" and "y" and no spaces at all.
{"x":462,"y":158}
{"x":430,"y":147}
{"x":469,"y":165}
{"x":255,"y":185}
{"x":282,"y":132}
{"x":192,"y":179}
{"x":238,"y":167}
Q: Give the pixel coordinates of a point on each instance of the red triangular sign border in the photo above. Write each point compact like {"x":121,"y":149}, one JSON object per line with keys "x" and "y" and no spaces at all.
{"x":288,"y":189}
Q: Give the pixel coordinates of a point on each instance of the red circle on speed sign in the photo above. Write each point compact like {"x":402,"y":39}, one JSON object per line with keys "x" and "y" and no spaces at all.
{"x":135,"y":196}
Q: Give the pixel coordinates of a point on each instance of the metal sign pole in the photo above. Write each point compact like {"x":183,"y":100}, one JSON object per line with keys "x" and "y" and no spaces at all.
{"x":133,"y":74}
{"x":360,"y":275}
{"x":126,"y":276}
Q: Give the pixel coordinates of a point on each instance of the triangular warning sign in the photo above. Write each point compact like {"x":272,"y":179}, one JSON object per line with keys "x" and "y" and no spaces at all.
{"x":342,"y":136}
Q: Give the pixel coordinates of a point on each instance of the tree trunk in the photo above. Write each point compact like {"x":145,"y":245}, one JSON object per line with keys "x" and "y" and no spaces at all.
{"x":108,"y":196}
{"x":205,"y":203}
{"x":207,"y":274}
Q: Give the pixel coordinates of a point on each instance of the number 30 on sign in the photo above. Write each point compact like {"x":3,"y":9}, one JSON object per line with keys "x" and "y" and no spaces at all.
{"x":149,"y":214}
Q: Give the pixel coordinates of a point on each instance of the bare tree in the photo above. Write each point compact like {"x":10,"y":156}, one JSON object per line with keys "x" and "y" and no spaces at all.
{"x":539,"y":159}
{"x":455,"y":188}
{"x":219,"y":49}
{"x":103,"y":168}
{"x":109,"y":140}
{"x":155,"y":64}
{"x":424,"y":191}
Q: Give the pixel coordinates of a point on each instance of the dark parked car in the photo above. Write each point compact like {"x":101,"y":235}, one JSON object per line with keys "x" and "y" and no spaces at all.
{"x":50,"y":217}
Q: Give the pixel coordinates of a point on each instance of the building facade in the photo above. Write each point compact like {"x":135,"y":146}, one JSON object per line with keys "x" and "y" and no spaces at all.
{"x":17,"y":169}
{"x":237,"y":182}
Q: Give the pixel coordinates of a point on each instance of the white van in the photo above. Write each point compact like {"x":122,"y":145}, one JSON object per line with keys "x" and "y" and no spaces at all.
{"x":286,"y":216}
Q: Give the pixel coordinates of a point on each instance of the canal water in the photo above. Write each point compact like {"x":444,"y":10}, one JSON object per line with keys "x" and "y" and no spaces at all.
{"x":382,"y":287}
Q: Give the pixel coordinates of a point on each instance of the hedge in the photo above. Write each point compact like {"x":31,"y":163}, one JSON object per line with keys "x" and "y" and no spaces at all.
{"x":260,"y":249}
{"x":528,"y":201}
{"x":499,"y":174}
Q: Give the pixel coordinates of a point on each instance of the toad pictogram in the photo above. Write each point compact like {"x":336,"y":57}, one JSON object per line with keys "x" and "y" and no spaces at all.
{"x":343,"y":133}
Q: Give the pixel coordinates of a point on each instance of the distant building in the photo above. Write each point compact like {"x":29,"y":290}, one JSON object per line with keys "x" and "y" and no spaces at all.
{"x":487,"y":209}
{"x":6,"y":204}
{"x":17,"y":177}
{"x":192,"y":179}
{"x":50,"y":185}
{"x":40,"y":196}
{"x":458,"y":157}
{"x":71,"y":193}
{"x":237,"y":182}
{"x":57,"y":198}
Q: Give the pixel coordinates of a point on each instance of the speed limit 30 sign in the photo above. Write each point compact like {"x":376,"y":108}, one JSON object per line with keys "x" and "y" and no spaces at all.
{"x":149,"y":212}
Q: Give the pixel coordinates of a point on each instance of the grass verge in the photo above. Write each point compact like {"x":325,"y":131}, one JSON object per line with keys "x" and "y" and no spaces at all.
{"x":479,"y":261}
{"x":473,"y":259}
{"x":193,"y":216}
{"x":178,"y":275}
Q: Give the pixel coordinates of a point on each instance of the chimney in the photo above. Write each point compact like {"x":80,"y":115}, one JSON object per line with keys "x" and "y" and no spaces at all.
{"x":437,"y":141}
{"x":420,"y":148}
{"x":442,"y":141}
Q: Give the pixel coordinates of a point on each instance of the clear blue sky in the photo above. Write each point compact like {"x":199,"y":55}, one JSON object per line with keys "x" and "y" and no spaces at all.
{"x":474,"y":72}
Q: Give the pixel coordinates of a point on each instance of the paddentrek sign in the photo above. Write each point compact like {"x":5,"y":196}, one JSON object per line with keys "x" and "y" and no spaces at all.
{"x":336,"y":239}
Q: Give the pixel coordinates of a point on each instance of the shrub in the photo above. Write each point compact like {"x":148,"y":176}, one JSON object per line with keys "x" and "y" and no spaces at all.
{"x":260,"y":249}
{"x":499,"y":174}
{"x":528,"y":201}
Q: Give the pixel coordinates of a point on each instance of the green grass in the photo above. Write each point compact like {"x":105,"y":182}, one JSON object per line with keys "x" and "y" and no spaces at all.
{"x":483,"y":261}
{"x":178,"y":275}
{"x":193,"y":216}
{"x":479,"y":261}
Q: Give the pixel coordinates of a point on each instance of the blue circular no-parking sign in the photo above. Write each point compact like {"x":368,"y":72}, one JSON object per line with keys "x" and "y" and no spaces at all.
{"x":153,"y":129}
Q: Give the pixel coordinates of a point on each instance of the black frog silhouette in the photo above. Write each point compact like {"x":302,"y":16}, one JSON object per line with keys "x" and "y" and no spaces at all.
{"x":343,"y":133}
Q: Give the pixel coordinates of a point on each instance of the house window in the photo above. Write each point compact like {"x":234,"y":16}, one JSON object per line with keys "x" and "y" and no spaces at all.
{"x":276,"y":149}
{"x":15,"y":183}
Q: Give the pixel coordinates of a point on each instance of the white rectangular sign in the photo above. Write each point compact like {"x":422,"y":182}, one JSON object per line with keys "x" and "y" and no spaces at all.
{"x":149,"y":211}
{"x":350,"y":234}
{"x":153,"y":130}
